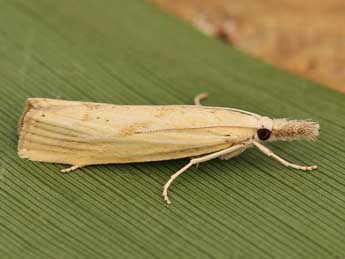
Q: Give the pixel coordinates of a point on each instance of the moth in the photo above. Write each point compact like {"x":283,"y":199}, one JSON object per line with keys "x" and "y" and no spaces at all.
{"x":86,"y":133}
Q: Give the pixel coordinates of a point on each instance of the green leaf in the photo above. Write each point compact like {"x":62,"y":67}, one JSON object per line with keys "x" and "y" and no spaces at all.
{"x":130,"y":52}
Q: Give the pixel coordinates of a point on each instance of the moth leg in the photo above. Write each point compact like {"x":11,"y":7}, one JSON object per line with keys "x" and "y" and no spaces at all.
{"x":269,"y":153}
{"x":232,"y":154}
{"x":197,"y":161}
{"x":199,"y":97}
{"x":229,"y":155}
{"x":72,"y":168}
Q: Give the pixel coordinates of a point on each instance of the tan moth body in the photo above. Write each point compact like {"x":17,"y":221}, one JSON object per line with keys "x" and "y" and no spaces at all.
{"x":85,"y":133}
{"x":80,"y":133}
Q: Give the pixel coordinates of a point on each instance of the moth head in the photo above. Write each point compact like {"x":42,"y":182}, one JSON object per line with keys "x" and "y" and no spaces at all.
{"x":264,"y":131}
{"x":283,"y":129}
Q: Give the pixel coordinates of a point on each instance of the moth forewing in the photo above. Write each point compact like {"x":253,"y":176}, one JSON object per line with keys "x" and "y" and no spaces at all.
{"x":80,"y":133}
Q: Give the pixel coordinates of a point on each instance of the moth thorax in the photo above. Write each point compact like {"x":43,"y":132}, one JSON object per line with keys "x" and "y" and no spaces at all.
{"x":284,"y":129}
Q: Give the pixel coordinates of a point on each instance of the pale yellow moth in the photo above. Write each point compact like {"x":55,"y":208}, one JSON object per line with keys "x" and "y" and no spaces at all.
{"x":85,"y":133}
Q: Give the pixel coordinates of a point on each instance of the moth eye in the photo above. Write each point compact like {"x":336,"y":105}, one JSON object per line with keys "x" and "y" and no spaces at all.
{"x":264,"y":134}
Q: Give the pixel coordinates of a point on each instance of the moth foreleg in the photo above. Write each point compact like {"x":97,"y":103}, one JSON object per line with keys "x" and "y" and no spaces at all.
{"x":232,"y":154}
{"x":69,"y":169}
{"x":199,"y":97}
{"x":270,"y":153}
{"x":197,"y":161}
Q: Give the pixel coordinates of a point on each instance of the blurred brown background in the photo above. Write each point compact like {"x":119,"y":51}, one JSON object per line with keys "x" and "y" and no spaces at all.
{"x":306,"y":37}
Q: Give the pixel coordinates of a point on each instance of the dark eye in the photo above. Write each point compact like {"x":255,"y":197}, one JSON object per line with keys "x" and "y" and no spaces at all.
{"x":264,"y":134}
